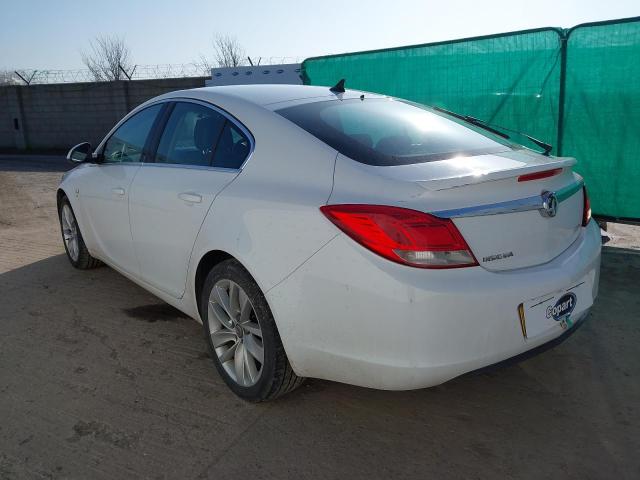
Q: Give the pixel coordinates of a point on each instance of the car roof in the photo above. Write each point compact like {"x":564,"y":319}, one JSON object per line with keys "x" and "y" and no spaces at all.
{"x":274,"y":96}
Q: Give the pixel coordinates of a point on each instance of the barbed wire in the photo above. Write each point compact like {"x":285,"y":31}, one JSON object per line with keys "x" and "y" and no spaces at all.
{"x":32,"y":76}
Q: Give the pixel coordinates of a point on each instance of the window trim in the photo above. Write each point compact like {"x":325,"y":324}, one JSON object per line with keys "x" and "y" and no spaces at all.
{"x":157,"y":135}
{"x":158,"y":128}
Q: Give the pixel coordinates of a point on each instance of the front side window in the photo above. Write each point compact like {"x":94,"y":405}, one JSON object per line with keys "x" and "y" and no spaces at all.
{"x":389,"y":132}
{"x":191,"y":135}
{"x":127,"y":142}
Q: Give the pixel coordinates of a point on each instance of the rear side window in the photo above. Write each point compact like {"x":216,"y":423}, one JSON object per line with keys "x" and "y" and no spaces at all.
{"x":232,"y":149}
{"x":127,"y":142}
{"x":190,"y":136}
{"x":382,"y":132}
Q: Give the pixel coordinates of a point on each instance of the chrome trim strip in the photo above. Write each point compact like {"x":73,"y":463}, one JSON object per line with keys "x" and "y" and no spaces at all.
{"x":108,"y":164}
{"x":520,"y":205}
{"x":190,"y":167}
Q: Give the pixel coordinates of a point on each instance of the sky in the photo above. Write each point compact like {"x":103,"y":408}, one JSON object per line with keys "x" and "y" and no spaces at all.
{"x":52,"y":34}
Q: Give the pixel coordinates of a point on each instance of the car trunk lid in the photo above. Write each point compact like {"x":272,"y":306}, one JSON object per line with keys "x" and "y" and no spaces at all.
{"x":507,"y":223}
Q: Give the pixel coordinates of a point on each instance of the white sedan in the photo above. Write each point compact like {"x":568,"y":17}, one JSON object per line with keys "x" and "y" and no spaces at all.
{"x":336,"y":234}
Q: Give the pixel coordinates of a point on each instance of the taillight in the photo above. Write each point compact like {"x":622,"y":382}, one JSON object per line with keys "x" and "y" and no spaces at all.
{"x":402,"y":235}
{"x":527,"y":177}
{"x":586,"y":212}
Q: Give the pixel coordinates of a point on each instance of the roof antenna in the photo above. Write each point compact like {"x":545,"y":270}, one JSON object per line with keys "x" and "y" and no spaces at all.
{"x":338,"y":87}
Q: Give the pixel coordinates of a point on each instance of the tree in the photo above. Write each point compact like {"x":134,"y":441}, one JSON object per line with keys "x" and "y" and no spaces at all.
{"x":107,"y":57}
{"x":227,"y":52}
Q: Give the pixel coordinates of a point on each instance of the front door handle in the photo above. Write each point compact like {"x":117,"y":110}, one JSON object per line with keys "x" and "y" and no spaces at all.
{"x":118,"y":191}
{"x":190,"y":197}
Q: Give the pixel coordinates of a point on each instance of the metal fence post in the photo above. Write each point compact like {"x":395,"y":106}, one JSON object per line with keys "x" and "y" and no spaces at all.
{"x":564,"y":36}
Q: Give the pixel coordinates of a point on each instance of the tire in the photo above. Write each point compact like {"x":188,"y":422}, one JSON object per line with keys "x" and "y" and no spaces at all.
{"x":234,"y":339}
{"x":72,"y":240}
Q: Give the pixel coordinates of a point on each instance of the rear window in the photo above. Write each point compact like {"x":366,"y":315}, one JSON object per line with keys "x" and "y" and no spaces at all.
{"x":380,"y":131}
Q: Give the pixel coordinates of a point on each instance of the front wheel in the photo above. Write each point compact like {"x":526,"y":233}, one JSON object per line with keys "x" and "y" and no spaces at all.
{"x":242,"y":335}
{"x":77,"y":252}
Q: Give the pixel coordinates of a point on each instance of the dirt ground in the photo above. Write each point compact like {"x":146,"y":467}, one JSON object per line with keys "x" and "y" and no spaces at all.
{"x":101,"y":380}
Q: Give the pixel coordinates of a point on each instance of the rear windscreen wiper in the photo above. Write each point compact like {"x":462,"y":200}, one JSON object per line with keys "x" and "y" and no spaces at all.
{"x":496,"y":129}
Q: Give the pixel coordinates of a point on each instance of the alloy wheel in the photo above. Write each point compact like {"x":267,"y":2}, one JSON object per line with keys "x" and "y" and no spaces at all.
{"x":70,"y":232}
{"x":235,"y":332}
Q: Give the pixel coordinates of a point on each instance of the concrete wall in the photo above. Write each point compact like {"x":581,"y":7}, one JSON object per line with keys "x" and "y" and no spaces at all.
{"x":62,"y":115}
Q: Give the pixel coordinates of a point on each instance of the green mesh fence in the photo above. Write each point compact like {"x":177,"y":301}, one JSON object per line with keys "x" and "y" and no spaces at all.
{"x":527,"y":81}
{"x":601,"y":120}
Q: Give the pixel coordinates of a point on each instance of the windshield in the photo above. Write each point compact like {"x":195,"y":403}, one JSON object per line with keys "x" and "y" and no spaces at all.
{"x":381,"y":131}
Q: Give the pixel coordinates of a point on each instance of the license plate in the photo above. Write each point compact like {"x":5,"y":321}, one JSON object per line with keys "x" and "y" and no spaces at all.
{"x":555,"y":310}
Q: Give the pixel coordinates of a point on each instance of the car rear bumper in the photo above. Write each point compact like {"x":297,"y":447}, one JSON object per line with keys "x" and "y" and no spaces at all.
{"x":536,"y":350}
{"x":348,"y":315}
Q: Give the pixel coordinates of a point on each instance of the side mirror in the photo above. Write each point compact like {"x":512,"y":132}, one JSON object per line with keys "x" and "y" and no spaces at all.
{"x":80,"y":153}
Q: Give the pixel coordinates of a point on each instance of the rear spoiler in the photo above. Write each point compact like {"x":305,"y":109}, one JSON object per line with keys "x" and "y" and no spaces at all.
{"x":459,"y":172}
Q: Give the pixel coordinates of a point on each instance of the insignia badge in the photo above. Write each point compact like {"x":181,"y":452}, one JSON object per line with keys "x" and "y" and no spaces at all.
{"x":549,"y":204}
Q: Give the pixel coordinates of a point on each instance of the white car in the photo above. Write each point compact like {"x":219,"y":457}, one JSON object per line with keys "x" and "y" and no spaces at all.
{"x":336,"y":234}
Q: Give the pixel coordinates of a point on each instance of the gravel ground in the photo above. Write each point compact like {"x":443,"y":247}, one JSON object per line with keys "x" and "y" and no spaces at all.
{"x":100,"y":379}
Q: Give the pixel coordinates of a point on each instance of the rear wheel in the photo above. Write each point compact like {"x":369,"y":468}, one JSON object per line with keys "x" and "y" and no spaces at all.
{"x":242,"y":335}
{"x":77,"y":252}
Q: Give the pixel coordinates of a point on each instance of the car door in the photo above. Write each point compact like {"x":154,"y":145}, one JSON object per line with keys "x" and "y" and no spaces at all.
{"x":199,"y":152}
{"x":104,"y":192}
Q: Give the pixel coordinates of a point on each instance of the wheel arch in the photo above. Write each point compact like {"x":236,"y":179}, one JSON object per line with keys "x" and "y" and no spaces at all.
{"x":206,"y":263}
{"x":210,"y":260}
{"x":60,"y":194}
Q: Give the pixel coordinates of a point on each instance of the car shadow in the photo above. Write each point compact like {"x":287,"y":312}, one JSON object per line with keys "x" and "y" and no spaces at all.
{"x":34,"y":163}
{"x":93,"y":364}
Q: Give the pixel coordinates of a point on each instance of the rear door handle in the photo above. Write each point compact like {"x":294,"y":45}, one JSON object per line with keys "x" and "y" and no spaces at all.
{"x":118,"y":191}
{"x":190,"y":197}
